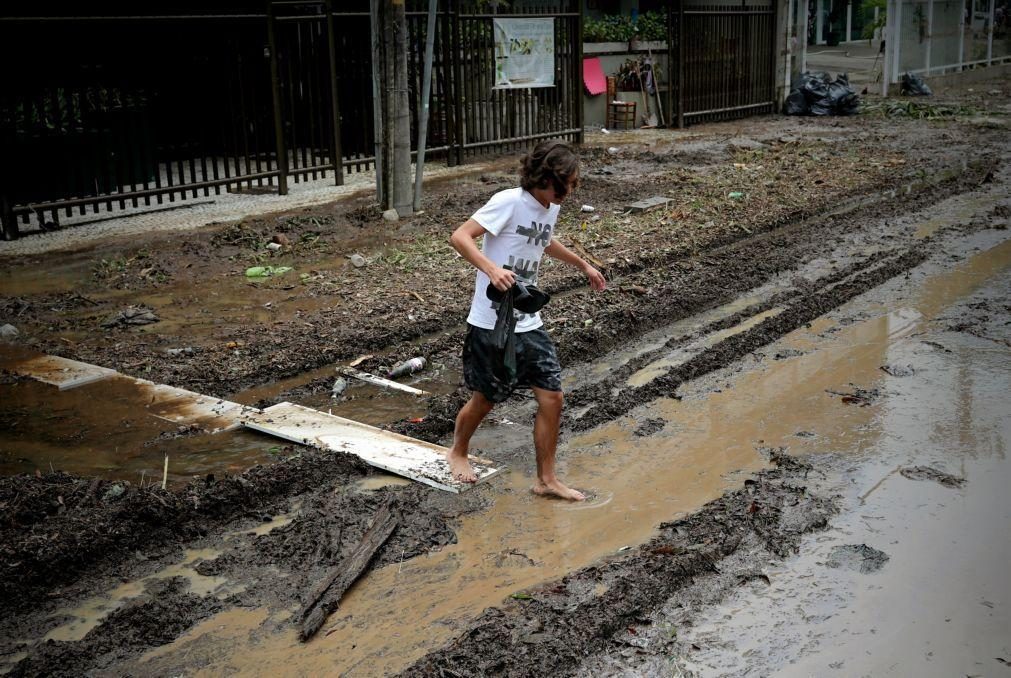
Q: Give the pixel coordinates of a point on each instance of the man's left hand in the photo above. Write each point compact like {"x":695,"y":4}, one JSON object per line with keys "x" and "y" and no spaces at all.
{"x":596,"y":278}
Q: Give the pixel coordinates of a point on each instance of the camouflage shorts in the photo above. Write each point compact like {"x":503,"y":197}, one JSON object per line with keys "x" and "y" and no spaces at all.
{"x":536,"y":364}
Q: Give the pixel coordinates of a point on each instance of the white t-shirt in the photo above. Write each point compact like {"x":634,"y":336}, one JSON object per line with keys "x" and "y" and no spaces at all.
{"x":518,"y":229}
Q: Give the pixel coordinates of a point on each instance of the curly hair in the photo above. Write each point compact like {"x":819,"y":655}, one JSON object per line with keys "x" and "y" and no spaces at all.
{"x":551,"y":163}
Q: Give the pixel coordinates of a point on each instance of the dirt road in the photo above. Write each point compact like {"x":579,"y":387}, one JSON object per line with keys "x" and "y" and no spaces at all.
{"x":759,"y":408}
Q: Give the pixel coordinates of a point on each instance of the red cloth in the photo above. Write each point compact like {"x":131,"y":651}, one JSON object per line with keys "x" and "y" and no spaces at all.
{"x":593,"y":76}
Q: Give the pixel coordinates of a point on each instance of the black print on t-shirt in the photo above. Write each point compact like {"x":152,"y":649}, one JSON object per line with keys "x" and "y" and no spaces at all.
{"x":524,"y":269}
{"x":537,"y":234}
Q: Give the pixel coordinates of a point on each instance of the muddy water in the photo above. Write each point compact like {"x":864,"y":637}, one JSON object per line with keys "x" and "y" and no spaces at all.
{"x":399,"y":612}
{"x":939,"y":605}
{"x":105,"y":428}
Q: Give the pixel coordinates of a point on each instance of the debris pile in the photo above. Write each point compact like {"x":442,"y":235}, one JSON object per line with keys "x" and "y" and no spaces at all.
{"x":818,"y":94}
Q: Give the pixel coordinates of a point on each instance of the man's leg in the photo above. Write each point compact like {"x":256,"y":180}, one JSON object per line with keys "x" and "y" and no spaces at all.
{"x":470,"y":417}
{"x":549,"y":418}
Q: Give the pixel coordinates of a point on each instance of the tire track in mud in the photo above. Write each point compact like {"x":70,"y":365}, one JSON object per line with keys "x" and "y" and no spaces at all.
{"x":552,"y":628}
{"x":605,"y":405}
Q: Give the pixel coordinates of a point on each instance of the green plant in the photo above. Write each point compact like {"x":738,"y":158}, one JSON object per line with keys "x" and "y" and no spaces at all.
{"x":872,"y":24}
{"x":621,"y":28}
{"x":611,"y":28}
{"x":652,"y":26}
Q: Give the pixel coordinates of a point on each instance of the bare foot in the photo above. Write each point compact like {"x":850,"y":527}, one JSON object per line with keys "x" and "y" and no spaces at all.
{"x":460,"y":468}
{"x":555,"y":488}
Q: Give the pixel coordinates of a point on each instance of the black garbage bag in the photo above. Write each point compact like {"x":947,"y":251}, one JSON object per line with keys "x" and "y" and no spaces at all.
{"x":815,"y":88}
{"x":842,"y":99}
{"x":913,"y":85}
{"x":796,"y":104}
{"x":819,"y":94}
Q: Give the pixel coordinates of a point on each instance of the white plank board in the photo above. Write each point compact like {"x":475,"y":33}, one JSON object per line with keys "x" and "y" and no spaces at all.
{"x":61,"y":372}
{"x":187,"y":407}
{"x":414,"y":459}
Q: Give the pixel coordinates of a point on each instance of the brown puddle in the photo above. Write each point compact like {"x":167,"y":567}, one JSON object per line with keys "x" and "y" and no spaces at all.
{"x":398,"y":613}
{"x":107,"y":428}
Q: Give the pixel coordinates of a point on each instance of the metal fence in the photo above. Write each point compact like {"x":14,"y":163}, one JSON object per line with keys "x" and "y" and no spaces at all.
{"x":110,"y":111}
{"x":930,"y":37}
{"x":724,"y":59}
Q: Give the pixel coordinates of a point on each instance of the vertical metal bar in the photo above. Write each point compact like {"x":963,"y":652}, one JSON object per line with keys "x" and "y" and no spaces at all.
{"x":275,"y":82}
{"x":495,"y":95}
{"x":961,"y":37}
{"x":193,"y":170}
{"x":377,"y":99}
{"x":335,"y":118}
{"x":897,"y":40}
{"x":488,"y":80}
{"x":930,"y":34}
{"x":681,"y":63}
{"x":426,"y":92}
{"x":669,"y":95}
{"x":989,"y":34}
{"x":771,"y":69}
{"x":311,"y":88}
{"x":577,"y":86}
{"x":802,"y":32}
{"x":203,"y":167}
{"x":293,"y":68}
{"x":886,"y":66}
{"x":471,"y":87}
{"x":457,"y":60}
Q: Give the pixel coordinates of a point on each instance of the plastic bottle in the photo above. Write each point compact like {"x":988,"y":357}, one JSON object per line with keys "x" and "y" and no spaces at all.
{"x":407,"y":367}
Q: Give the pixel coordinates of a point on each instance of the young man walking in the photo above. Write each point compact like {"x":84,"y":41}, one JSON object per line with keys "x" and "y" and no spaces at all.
{"x":517,"y":225}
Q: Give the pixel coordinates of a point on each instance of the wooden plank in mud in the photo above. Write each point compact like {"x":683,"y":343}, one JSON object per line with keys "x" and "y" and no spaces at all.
{"x":62,"y":373}
{"x":404,"y":456}
{"x":326,"y":597}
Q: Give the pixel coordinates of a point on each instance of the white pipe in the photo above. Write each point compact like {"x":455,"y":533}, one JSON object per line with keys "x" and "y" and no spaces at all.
{"x":426,"y":93}
{"x":989,"y":35}
{"x":930,"y":32}
{"x":961,"y":38}
{"x":805,"y":14}
{"x":790,"y":29}
{"x":897,"y":40}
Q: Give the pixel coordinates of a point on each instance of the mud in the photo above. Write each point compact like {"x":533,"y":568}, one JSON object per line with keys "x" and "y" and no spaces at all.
{"x":822,"y":223}
{"x":56,"y":526}
{"x":860,"y":557}
{"x":552,"y":627}
{"x":928,"y":473}
{"x":156,"y":617}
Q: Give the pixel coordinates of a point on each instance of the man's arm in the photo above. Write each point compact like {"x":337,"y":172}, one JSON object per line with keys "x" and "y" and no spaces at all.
{"x":462,"y":241}
{"x":557,"y":250}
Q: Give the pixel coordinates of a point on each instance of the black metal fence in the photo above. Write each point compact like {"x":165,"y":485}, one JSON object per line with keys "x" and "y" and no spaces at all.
{"x":111,"y":111}
{"x":724,"y":59}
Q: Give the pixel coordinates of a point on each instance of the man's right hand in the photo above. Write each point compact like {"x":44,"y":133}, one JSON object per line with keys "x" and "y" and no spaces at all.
{"x":501,"y":278}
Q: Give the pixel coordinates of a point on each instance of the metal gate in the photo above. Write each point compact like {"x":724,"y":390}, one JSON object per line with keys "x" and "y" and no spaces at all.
{"x":724,"y":57}
{"x":114,"y":111}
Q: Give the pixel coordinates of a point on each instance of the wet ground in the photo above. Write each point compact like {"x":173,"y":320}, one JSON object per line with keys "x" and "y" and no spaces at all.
{"x":865,"y":334}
